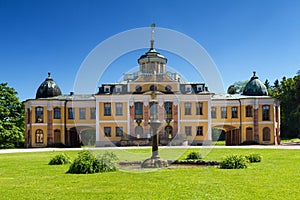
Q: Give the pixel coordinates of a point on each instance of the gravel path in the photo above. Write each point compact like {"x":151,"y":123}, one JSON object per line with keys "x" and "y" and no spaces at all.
{"x":291,"y":145}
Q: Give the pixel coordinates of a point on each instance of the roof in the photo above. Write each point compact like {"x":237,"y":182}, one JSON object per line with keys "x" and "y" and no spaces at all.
{"x":255,"y":87}
{"x":48,"y":89}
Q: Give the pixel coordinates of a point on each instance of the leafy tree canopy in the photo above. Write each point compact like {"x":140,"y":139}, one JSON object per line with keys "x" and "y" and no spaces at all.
{"x":237,"y":87}
{"x":11,"y":117}
{"x":288,"y":92}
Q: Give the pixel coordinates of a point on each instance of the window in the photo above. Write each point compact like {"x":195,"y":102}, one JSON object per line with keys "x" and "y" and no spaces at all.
{"x":39,"y":115}
{"x":153,"y":88}
{"x":107,"y":131}
{"x":139,"y":131}
{"x":93,"y":113}
{"x":249,"y":111}
{"x":152,"y":67}
{"x":213,"y":112}
{"x":82,"y":112}
{"x":223,"y":112}
{"x":266,"y":112}
{"x":199,"y":108}
{"x":70,"y":113}
{"x":39,"y":136}
{"x":188,"y":88}
{"x":266,"y":134}
{"x":119,"y":109}
{"x":188,"y":130}
{"x":143,"y":68}
{"x":153,"y":110}
{"x":138,"y":110}
{"x":119,"y":131}
{"x":234,"y":112}
{"x":187,"y":108}
{"x":118,"y":88}
{"x":28,"y":116}
{"x":138,"y":88}
{"x":168,"y":88}
{"x":107,"y":109}
{"x":56,"y":113}
{"x":199,"y":131}
{"x":199,"y":88}
{"x":168,"y":109}
{"x":107,"y":89}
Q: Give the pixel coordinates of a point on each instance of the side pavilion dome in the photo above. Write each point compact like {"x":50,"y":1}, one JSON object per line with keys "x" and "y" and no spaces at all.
{"x":255,"y":87}
{"x":48,"y":89}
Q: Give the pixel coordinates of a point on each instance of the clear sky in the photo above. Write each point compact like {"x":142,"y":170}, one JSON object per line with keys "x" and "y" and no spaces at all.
{"x":241,"y":36}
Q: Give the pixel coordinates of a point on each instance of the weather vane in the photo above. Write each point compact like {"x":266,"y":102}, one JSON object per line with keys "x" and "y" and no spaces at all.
{"x":152,"y":31}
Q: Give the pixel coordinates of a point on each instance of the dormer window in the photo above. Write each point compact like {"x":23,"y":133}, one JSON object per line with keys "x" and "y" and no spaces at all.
{"x":138,"y":88}
{"x":199,"y":88}
{"x":188,"y":88}
{"x":107,"y":89}
{"x":118,"y":89}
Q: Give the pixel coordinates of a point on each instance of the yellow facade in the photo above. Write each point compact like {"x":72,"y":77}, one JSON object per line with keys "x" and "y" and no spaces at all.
{"x":123,"y":112}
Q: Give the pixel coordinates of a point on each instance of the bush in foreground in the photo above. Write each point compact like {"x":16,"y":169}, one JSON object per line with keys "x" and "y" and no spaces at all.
{"x":194,"y":156}
{"x":88,"y":163}
{"x":234,"y":162}
{"x":253,"y":158}
{"x":60,"y":159}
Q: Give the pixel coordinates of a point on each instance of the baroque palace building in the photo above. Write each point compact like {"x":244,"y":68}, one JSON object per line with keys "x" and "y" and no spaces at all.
{"x":119,"y":113}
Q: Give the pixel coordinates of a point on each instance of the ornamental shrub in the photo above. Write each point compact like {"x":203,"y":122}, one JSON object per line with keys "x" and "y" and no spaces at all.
{"x":60,"y":159}
{"x":253,"y":158}
{"x":234,"y":162}
{"x":194,"y":156}
{"x":88,"y":163}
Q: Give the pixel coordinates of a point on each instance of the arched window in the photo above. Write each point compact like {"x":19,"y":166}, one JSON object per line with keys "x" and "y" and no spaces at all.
{"x":266,"y":134}
{"x":39,"y":136}
{"x":39,"y":114}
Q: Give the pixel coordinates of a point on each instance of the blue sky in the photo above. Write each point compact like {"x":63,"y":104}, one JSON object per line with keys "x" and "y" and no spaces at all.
{"x":241,"y":36}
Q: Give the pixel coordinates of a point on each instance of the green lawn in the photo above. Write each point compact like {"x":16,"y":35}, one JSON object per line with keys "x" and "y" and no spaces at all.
{"x":28,"y":176}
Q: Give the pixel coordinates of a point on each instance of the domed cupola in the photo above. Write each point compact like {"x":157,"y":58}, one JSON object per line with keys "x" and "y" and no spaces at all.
{"x":152,"y":61}
{"x":255,"y":87}
{"x":48,"y":89}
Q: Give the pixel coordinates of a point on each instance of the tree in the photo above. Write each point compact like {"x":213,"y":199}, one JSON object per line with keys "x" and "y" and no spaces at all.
{"x":11,"y":117}
{"x":288,"y":92}
{"x":232,"y":89}
{"x":267,"y":84}
{"x":237,"y":87}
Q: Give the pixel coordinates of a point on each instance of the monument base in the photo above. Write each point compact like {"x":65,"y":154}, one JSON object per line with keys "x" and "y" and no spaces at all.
{"x":154,"y":163}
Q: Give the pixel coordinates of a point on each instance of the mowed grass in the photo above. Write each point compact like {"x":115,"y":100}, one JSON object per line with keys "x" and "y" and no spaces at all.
{"x":28,"y":176}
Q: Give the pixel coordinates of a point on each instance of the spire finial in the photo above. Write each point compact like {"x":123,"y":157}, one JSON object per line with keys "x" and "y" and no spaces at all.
{"x":254,"y":73}
{"x":49,"y":74}
{"x":152,"y":35}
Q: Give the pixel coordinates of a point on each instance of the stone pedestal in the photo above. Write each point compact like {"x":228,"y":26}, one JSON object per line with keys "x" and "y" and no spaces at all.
{"x":155,"y":161}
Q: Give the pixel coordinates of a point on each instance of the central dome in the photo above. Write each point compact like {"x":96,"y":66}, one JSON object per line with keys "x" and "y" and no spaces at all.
{"x":255,"y":87}
{"x":48,"y":89}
